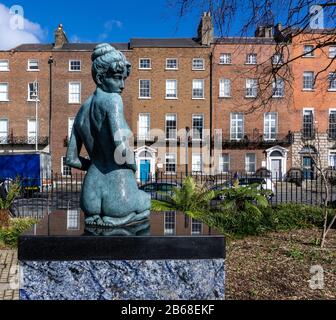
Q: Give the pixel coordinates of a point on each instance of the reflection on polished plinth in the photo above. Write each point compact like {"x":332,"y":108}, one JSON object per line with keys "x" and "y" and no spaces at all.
{"x":169,"y":256}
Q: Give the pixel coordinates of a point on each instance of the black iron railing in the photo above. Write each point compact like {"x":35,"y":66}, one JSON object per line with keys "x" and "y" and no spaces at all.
{"x":23,"y":140}
{"x":40,"y":196}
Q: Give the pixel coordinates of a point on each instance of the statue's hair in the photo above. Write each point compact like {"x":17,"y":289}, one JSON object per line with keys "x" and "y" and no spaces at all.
{"x":105,"y":57}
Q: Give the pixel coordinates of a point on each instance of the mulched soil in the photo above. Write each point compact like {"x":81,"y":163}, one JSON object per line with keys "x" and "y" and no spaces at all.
{"x":277,"y":266}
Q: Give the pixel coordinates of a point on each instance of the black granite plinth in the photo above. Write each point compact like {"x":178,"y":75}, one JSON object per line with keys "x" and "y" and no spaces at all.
{"x":62,"y":236}
{"x":169,"y":256}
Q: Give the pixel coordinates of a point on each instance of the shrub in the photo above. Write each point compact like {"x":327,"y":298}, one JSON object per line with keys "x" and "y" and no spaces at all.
{"x":296,"y":216}
{"x":10,"y":235}
{"x":282,"y":217}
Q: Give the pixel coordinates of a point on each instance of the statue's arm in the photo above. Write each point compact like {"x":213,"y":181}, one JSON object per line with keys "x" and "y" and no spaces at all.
{"x":73,"y":158}
{"x":119,"y":132}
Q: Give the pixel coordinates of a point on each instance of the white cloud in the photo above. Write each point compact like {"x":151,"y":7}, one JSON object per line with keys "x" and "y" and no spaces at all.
{"x":10,"y":37}
{"x":77,"y":39}
{"x":109,"y":26}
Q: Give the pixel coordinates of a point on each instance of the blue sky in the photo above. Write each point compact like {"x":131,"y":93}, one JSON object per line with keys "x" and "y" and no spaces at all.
{"x":108,"y":21}
{"x":114,"y":21}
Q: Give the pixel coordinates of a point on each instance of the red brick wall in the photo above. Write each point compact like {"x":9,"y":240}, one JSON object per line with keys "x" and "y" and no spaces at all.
{"x":320,"y":98}
{"x":18,"y":110}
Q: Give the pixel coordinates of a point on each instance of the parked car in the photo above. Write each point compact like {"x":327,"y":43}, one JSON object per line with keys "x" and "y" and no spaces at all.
{"x":158,"y":190}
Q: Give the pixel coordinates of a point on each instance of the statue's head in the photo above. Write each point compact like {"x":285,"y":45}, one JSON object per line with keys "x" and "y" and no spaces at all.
{"x":109,"y":68}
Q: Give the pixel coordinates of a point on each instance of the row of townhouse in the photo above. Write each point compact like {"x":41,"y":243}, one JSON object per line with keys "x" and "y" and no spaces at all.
{"x":186,"y":102}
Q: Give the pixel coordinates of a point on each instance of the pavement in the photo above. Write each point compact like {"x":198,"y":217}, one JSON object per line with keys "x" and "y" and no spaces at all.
{"x":9,"y":275}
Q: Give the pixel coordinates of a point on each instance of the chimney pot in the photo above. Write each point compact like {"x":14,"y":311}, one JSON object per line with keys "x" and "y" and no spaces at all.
{"x":60,"y":37}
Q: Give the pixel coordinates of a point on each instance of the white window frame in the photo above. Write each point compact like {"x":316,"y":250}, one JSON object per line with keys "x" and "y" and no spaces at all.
{"x":268,"y":129}
{"x":63,"y":166}
{"x":198,"y":69}
{"x":150,"y":64}
{"x":29,"y":65}
{"x":171,"y":156}
{"x":7,"y":65}
{"x":4,"y":134}
{"x":197,"y":223}
{"x":251,"y":58}
{"x":172,"y":231}
{"x":71,"y":93}
{"x":31,"y":137}
{"x":145,"y":136}
{"x":331,"y":110}
{"x":332,"y":82}
{"x":312,"y":111}
{"x":332,"y":151}
{"x":193,"y":127}
{"x":80,"y":65}
{"x":6,"y":92}
{"x":199,"y":165}
{"x":234,"y":135}
{"x":228,"y":58}
{"x":277,"y":59}
{"x":247,"y":163}
{"x":29,"y":98}
{"x":150,"y":85}
{"x":176,"y":89}
{"x":275,"y":86}
{"x":332,"y":52}
{"x":166,"y":127}
{"x":307,"y":53}
{"x":203,"y":89}
{"x":305,"y":82}
{"x":251,"y":88}
{"x":221,"y":162}
{"x":170,"y":68}
{"x":225,"y":88}
{"x":73,"y":219}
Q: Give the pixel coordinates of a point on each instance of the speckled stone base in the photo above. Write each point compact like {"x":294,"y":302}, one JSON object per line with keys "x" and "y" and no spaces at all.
{"x":123,"y":280}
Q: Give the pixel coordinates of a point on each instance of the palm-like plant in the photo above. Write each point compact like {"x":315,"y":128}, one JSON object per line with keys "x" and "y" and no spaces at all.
{"x":6,"y":201}
{"x":13,"y":192}
{"x":192,"y":199}
{"x":245,"y":198}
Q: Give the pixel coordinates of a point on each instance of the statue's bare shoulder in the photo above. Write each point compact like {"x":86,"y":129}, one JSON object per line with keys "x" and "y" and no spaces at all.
{"x":83,"y":112}
{"x":109,"y":103}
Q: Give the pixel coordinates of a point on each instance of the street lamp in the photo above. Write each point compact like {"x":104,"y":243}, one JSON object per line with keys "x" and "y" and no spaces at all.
{"x":187,"y":129}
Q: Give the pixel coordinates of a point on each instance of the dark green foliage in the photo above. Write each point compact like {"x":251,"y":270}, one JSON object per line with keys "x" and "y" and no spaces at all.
{"x":245,"y":210}
{"x":282,"y":217}
{"x":191,"y":198}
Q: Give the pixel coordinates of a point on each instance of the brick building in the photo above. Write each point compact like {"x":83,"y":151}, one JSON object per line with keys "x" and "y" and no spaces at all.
{"x":22,"y":72}
{"x":252,"y":135}
{"x":314,"y":102}
{"x":193,"y":89}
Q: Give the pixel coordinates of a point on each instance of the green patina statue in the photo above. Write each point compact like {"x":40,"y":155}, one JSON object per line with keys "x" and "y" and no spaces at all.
{"x":110,"y":196}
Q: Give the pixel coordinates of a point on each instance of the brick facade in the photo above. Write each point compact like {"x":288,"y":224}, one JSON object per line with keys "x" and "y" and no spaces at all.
{"x":215,"y":109}
{"x":18,"y":110}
